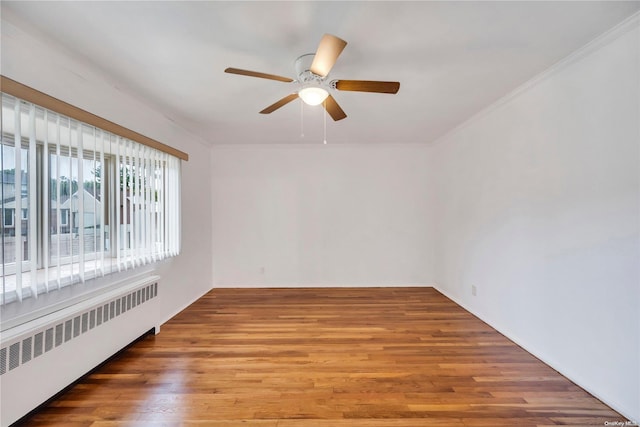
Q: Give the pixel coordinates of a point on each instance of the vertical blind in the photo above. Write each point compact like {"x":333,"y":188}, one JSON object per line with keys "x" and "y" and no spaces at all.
{"x":79,"y":202}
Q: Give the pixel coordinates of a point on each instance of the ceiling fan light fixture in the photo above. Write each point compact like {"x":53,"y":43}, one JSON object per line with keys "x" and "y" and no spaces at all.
{"x":313,"y":95}
{"x":312,"y":79}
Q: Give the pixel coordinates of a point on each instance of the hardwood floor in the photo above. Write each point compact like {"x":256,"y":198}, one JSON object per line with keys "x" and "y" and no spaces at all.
{"x":324,"y":357}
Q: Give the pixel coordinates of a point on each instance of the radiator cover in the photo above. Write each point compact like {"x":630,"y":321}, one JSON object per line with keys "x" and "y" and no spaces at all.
{"x":42,"y":357}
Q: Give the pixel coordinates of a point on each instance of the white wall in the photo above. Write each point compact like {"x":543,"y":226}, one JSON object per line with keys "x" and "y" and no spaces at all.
{"x":321,"y":215}
{"x":34,"y":61}
{"x":538,"y":206}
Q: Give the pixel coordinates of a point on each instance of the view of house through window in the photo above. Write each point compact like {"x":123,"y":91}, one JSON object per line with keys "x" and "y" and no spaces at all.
{"x":79,"y":202}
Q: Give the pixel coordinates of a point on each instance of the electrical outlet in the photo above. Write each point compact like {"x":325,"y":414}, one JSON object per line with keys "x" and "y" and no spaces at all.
{"x":474,"y":290}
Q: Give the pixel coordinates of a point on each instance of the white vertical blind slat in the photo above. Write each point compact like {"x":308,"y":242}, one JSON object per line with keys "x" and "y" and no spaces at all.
{"x":70,"y":210}
{"x":130,"y":242}
{"x":94,"y":194}
{"x":136,"y":200}
{"x":17,"y":221}
{"x":46,"y":204}
{"x":124,"y":244}
{"x":167,"y":207}
{"x":147,"y":205}
{"x":32,"y":213}
{"x":169,"y":211}
{"x":132,"y":207}
{"x":58,"y":211}
{"x":165,"y":211}
{"x":145,"y":208}
{"x":173,"y":211}
{"x":124,"y":220}
{"x":154,"y":204}
{"x":81,"y":230}
{"x":140,"y":206}
{"x":129,"y":205}
{"x":119,"y":185}
{"x":174,"y":228}
{"x":178,"y":196}
{"x":137,"y":204}
{"x":159,"y":206}
{"x":103,"y":216}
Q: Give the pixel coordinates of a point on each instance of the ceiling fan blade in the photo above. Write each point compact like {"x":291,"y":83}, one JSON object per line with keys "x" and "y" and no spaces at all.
{"x":367,"y":86}
{"x":329,"y":49}
{"x":257,"y":74}
{"x":284,"y":101}
{"x":333,"y":109}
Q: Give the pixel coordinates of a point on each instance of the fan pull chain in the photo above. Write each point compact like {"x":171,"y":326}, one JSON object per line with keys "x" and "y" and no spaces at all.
{"x":301,"y":119}
{"x":325,"y":122}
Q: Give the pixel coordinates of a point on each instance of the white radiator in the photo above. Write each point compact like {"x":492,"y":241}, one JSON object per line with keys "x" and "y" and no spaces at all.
{"x":42,"y":357}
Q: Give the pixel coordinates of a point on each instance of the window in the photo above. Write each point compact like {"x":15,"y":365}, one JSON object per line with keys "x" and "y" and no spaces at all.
{"x":90,"y":202}
{"x":64,"y":217}
{"x":9,"y":217}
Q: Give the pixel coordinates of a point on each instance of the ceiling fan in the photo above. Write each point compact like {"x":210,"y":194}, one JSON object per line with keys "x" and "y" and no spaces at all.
{"x":312,"y":71}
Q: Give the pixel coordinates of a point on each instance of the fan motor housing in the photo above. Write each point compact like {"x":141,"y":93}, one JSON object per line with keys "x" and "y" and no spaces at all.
{"x":303,"y":70}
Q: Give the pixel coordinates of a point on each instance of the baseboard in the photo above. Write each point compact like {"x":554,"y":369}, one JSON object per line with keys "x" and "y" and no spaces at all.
{"x":319,"y":285}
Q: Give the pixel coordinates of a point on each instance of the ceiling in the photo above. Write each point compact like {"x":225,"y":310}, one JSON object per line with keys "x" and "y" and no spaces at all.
{"x":452,"y":58}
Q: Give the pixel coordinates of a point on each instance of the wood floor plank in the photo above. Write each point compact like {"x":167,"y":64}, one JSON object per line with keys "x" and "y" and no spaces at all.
{"x":365,"y":357}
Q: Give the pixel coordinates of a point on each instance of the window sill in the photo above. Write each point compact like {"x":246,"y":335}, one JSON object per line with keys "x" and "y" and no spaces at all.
{"x":19,"y":312}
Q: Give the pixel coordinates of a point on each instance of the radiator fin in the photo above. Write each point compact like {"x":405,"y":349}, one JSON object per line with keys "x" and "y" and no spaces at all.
{"x":51,"y":336}
{"x":14,"y":356}
{"x":76,"y":326}
{"x":37,"y":344}
{"x":68,"y":325}
{"x":58,"y":334}
{"x":48,"y":339}
{"x":3,"y":361}
{"x":26,"y":349}
{"x":85,"y":322}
